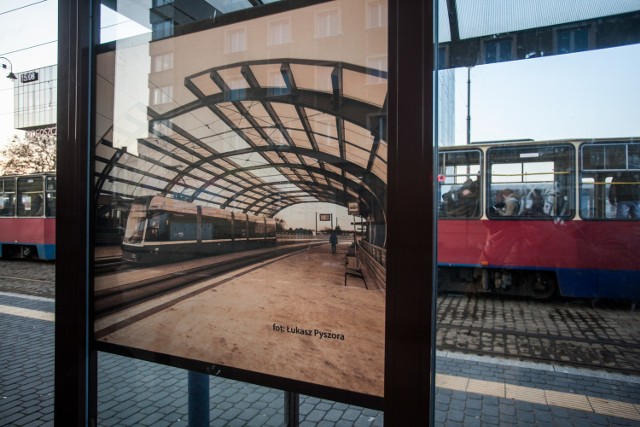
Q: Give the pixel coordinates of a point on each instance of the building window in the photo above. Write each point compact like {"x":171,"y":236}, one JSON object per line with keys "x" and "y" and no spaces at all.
{"x":163,"y":62}
{"x":442,"y":57}
{"x":573,"y":40}
{"x":236,"y":40}
{"x":280,"y":32}
{"x":328,"y":23}
{"x":376,"y":14}
{"x":276,"y":79}
{"x":162,"y":95}
{"x":162,"y":29}
{"x":158,"y":3}
{"x":498,"y":51}
{"x":377,"y":63}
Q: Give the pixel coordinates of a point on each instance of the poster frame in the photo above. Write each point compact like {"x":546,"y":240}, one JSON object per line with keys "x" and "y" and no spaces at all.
{"x":409,"y":362}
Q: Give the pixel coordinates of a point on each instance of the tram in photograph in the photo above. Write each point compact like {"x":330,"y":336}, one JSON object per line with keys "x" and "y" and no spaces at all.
{"x":27,"y":216}
{"x":160,"y":229}
{"x":541,"y":218}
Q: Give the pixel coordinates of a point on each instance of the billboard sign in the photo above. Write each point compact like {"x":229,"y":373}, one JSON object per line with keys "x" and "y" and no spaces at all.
{"x":31,"y":76}
{"x":208,"y":180}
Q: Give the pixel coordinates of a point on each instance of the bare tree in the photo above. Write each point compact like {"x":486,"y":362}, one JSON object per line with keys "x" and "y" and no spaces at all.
{"x":280,"y":225}
{"x":34,"y":153}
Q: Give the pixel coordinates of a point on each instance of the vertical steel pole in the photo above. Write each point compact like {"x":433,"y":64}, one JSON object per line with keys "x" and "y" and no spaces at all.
{"x":409,"y":380}
{"x":468,"y":105}
{"x":75,"y":368}
{"x":291,"y":409}
{"x":198,"y":399}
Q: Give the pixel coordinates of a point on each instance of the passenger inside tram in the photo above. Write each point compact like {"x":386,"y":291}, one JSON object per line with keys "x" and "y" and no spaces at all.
{"x":624,"y":194}
{"x":507,"y":203}
{"x":463,"y":201}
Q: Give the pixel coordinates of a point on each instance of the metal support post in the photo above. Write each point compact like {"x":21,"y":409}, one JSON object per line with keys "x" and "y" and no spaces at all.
{"x":198,"y":399}
{"x":291,"y":409}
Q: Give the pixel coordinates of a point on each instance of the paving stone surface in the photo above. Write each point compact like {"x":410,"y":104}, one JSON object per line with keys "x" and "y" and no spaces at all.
{"x":138,"y":393}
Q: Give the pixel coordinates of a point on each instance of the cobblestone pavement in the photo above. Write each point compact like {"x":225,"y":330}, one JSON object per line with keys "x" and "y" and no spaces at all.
{"x":28,"y":277}
{"x":134,"y":393}
{"x":573,"y":332}
{"x":137,"y":393}
{"x":570,"y":332}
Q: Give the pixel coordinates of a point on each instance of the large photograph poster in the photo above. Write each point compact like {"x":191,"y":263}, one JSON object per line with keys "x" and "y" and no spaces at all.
{"x":240,"y":193}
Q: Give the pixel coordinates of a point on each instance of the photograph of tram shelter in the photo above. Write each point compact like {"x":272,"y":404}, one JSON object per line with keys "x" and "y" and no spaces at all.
{"x":211,"y":136}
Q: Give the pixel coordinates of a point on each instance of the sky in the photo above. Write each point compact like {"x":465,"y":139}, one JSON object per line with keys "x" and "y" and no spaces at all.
{"x":589,"y":94}
{"x":23,"y":24}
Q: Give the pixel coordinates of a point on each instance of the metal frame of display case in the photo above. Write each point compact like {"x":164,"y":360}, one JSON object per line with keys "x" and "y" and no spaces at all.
{"x":409,"y":349}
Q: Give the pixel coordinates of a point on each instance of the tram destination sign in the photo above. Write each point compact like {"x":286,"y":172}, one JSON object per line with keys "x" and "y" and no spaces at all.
{"x":325,"y":217}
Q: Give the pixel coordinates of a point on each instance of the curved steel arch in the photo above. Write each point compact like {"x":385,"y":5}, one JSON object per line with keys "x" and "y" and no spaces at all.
{"x":289,"y":182}
{"x":327,"y":158}
{"x":336,"y":193}
{"x":369,"y":188}
{"x":378,"y":200}
{"x":375,"y":185}
{"x":357,"y":112}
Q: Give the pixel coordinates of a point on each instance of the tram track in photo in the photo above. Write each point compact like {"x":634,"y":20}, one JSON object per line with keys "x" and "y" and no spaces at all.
{"x":111,"y":299}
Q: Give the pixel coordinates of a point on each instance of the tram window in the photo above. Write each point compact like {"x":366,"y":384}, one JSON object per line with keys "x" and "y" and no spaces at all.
{"x":530,"y":182}
{"x":221,"y":228}
{"x":7,"y":197}
{"x":271,"y":229}
{"x":239,"y":228}
{"x":459,"y":184}
{"x":607,"y":156}
{"x":181,"y":227}
{"x":30,"y":196}
{"x":610,"y":181}
{"x":51,"y":196}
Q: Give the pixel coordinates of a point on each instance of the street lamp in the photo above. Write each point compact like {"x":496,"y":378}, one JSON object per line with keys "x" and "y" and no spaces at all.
{"x":10,"y":75}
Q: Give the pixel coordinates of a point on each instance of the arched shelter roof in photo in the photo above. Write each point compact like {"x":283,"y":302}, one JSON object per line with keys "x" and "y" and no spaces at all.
{"x":260,"y":136}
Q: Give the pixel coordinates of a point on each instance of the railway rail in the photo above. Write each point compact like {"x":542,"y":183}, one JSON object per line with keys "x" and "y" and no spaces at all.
{"x":116,"y":298}
{"x":610,"y":355}
{"x":559,"y":332}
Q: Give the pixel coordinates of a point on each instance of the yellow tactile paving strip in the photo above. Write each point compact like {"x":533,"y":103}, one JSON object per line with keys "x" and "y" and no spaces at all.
{"x":25,"y":312}
{"x":469,"y":385}
{"x":543,"y":397}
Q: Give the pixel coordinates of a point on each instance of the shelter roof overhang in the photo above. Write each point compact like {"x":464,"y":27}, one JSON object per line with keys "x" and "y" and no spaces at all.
{"x":260,"y":136}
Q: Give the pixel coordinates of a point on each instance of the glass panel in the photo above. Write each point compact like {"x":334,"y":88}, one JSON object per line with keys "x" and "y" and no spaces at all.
{"x":51,"y":196}
{"x":7,"y":197}
{"x":610,"y":186}
{"x":30,"y":196}
{"x":531,"y":292}
{"x":460,"y":184}
{"x":531,"y":182}
{"x":231,"y":153}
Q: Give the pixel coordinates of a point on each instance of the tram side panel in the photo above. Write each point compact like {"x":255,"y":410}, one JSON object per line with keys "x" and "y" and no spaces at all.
{"x":609,"y":256}
{"x":588,"y":259}
{"x":28,"y":238}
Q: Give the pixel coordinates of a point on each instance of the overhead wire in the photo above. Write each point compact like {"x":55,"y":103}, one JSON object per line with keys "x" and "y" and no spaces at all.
{"x":22,"y":7}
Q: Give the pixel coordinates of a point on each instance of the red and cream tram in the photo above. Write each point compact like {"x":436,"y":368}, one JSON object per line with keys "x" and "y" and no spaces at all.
{"x":27,"y":216}
{"x":535,"y":218}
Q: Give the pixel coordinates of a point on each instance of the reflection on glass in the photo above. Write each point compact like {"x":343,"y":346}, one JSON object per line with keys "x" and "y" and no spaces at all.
{"x":547,"y":270}
{"x":226,"y":159}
